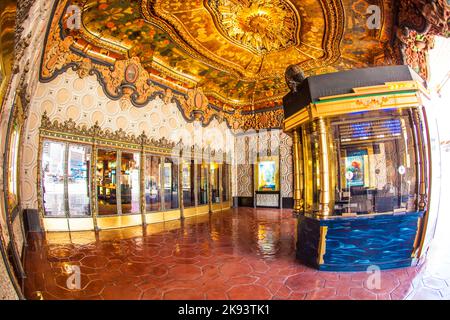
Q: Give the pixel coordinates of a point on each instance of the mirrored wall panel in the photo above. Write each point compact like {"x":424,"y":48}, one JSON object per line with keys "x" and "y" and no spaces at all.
{"x":106,"y":175}
{"x":152,"y":183}
{"x":170,"y":177}
{"x":78,"y":172}
{"x":202,"y":183}
{"x":77,"y":182}
{"x":129,"y":182}
{"x":376,"y":164}
{"x":214,"y":174}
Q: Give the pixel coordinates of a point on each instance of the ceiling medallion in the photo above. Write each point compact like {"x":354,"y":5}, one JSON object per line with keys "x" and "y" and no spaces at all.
{"x":261,"y":26}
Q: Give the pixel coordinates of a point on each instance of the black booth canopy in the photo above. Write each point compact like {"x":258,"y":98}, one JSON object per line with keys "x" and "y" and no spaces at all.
{"x":330,"y":84}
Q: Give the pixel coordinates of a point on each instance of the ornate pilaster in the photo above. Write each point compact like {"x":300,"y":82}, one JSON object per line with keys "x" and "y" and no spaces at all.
{"x":142,"y":179}
{"x":324,"y":164}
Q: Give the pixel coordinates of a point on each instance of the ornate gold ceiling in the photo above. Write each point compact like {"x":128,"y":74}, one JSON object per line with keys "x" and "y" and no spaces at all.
{"x":247,"y":45}
{"x":234,"y":52}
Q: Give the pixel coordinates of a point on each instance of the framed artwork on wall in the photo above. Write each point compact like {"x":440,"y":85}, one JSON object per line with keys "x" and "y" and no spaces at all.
{"x":267,"y":174}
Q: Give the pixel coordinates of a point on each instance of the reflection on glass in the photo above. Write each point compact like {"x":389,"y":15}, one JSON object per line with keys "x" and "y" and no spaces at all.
{"x":129,"y":183}
{"x":214,"y":171}
{"x":153,"y":183}
{"x":78,"y":180}
{"x":312,"y":168}
{"x":188,"y":183}
{"x":170,"y":172}
{"x":53,"y":154}
{"x":375,"y":165}
{"x":106,"y":182}
{"x":13,"y":167}
{"x":225,"y":182}
{"x":202,"y":183}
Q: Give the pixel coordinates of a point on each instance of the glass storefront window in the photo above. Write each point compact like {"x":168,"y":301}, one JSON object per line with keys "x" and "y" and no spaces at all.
{"x":78,"y":173}
{"x":152,"y":183}
{"x":202,"y":183}
{"x":374,"y":163}
{"x":188,"y":183}
{"x":53,"y":158}
{"x":106,"y":176}
{"x":214,"y":171}
{"x":170,"y":177}
{"x":130,"y":182}
{"x":66,"y":181}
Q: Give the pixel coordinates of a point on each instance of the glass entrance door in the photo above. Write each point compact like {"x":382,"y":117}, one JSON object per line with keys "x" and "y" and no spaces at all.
{"x":78,"y":171}
{"x":52,"y":175}
{"x":65,"y":176}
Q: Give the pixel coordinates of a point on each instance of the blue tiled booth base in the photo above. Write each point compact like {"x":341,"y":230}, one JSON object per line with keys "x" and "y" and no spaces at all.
{"x":355,"y":243}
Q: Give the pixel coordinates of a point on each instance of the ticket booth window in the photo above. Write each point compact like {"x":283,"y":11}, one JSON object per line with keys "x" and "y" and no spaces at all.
{"x":375,"y":163}
{"x":13,"y":167}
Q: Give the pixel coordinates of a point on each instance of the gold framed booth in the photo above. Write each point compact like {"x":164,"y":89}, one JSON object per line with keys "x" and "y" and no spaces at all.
{"x":362,"y":168}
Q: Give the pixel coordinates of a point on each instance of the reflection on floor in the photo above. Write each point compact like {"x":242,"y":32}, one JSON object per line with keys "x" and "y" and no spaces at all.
{"x":239,"y":254}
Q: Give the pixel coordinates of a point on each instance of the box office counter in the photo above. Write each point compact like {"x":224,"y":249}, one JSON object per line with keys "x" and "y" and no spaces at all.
{"x":362,"y":169}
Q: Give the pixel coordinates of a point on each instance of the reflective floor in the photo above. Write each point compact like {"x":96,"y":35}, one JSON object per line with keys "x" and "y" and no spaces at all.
{"x":238,"y":254}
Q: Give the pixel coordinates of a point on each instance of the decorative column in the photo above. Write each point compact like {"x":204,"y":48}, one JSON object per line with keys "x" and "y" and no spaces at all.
{"x":421,"y":162}
{"x":180,"y":183}
{"x":298,"y":173}
{"x":324,"y":172}
{"x":208,"y":178}
{"x":94,"y":196}
{"x":142,"y":179}
{"x":195,"y":173}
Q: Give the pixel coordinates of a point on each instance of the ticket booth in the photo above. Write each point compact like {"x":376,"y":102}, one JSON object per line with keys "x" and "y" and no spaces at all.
{"x":363,"y":160}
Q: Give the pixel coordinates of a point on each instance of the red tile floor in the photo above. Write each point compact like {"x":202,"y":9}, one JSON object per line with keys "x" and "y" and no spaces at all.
{"x":238,"y":254}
